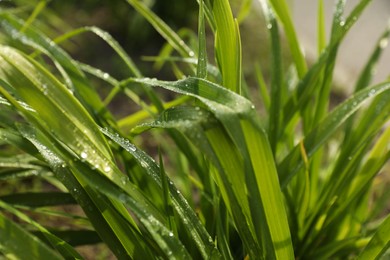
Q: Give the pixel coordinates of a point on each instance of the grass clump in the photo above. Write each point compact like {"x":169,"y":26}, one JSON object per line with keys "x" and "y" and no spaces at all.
{"x":300,"y":183}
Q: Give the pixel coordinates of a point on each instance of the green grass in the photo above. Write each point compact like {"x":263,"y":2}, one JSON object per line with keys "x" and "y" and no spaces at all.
{"x":229,"y":183}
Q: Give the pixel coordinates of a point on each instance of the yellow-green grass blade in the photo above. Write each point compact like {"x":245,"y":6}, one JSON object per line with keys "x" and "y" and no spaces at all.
{"x":37,"y":10}
{"x":165,"y":31}
{"x":239,"y":121}
{"x":321,"y":30}
{"x":202,"y":53}
{"x":282,"y":11}
{"x":314,"y":140}
{"x":46,"y":96}
{"x":38,"y":89}
{"x":227,"y":45}
{"x":73,"y":76}
{"x":17,"y":243}
{"x":379,"y":243}
{"x":244,"y":10}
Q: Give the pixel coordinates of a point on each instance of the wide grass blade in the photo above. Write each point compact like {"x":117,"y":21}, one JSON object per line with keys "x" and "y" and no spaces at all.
{"x":245,"y":138}
{"x":227,"y":45}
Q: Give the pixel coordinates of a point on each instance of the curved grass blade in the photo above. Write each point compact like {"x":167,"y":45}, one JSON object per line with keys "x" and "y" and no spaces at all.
{"x":65,"y":106}
{"x":73,"y":76}
{"x":293,"y":161}
{"x":307,"y":86}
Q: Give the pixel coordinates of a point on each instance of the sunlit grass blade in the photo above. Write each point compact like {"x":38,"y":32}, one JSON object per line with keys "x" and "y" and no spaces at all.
{"x":379,"y":243}
{"x":98,"y":157}
{"x":321,"y":30}
{"x":244,"y":10}
{"x":37,"y":10}
{"x":293,"y":162}
{"x":73,"y":76}
{"x":227,"y":45}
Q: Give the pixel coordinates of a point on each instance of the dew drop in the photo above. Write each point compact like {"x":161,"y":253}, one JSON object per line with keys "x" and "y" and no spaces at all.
{"x":342,"y":23}
{"x":191,"y":54}
{"x":372,"y":92}
{"x":83,"y":155}
{"x":144,"y":164}
{"x":124,"y":180}
{"x":107,"y":168}
{"x":106,"y":75}
{"x":170,"y":234}
{"x":269,"y":26}
{"x":132,"y":148}
{"x":383,"y":43}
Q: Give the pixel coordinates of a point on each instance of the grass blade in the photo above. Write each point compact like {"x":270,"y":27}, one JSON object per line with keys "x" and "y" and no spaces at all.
{"x":379,"y":243}
{"x":227,"y":45}
{"x":15,"y":242}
